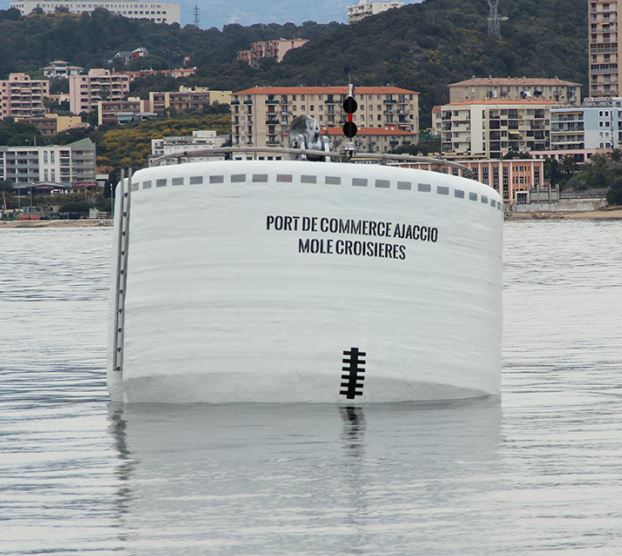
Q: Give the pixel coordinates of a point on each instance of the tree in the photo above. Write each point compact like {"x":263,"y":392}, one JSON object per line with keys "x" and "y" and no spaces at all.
{"x":6,"y":186}
{"x":614,"y":195}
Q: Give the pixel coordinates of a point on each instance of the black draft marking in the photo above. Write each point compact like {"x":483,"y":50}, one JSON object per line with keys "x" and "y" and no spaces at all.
{"x":354,"y":369}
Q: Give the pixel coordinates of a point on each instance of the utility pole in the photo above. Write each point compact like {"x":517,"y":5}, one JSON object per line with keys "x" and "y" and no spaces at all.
{"x":196,"y":13}
{"x":494,"y":20}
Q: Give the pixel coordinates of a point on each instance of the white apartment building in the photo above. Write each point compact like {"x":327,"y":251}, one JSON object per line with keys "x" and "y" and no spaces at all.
{"x":364,"y":9}
{"x":159,"y":12}
{"x":61,"y":69}
{"x":492,"y":128}
{"x":261,"y":116}
{"x":201,"y":139}
{"x":516,"y":88}
{"x":595,"y":125}
{"x":605,"y":47}
{"x":22,"y":97}
{"x":86,"y":91}
{"x":63,"y":164}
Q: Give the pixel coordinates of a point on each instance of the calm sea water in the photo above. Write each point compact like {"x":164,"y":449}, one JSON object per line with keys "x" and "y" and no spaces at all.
{"x":538,"y":473}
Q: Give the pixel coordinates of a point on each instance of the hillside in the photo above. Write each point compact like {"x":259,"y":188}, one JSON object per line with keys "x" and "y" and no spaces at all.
{"x":420,"y":46}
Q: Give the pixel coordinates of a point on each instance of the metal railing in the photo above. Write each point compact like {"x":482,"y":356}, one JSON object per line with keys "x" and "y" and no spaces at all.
{"x":340,"y":156}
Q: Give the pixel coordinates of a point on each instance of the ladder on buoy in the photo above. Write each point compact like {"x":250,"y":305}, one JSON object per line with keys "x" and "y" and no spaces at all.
{"x":123,"y":239}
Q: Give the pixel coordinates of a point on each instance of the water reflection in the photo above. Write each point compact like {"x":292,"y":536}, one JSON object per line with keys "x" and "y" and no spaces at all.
{"x":259,"y":478}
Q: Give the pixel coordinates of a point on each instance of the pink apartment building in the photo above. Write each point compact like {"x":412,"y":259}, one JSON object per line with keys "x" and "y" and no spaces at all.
{"x":22,"y":97}
{"x":275,"y":49}
{"x":85,"y":91}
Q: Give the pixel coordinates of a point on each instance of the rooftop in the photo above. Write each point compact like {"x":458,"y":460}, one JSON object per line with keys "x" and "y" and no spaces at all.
{"x":497,"y":102}
{"x":505,"y":81}
{"x":339,"y":90}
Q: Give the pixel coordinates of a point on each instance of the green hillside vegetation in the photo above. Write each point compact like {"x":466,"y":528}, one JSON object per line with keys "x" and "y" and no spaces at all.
{"x":420,"y":46}
{"x":131,"y":146}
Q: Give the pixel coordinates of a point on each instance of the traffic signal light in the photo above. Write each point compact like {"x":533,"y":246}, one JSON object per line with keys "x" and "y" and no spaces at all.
{"x":349,"y":107}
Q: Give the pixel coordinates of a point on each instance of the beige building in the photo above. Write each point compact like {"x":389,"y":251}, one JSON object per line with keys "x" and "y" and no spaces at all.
{"x":51,"y":124}
{"x":604,"y":47}
{"x":373,"y":139}
{"x":119,"y":112}
{"x":492,"y":128}
{"x":516,"y":88}
{"x":261,"y":116}
{"x":85,"y":91}
{"x":437,"y":121}
{"x":186,"y":99}
{"x":275,"y":49}
{"x":22,"y":97}
{"x":364,"y":9}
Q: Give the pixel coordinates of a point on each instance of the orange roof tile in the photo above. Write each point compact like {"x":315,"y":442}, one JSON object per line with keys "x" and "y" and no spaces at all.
{"x":339,"y":90}
{"x":505,"y":81}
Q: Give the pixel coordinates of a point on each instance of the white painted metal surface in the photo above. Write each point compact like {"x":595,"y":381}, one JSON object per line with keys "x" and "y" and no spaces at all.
{"x":253,"y":281}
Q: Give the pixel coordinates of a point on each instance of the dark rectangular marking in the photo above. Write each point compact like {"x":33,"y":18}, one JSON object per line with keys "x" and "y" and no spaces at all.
{"x":459,"y":193}
{"x":260,"y":178}
{"x":425,"y":187}
{"x":308,"y":179}
{"x":238,"y":178}
{"x":484,"y":199}
{"x":196,"y":180}
{"x":217,"y":179}
{"x":332,"y":180}
{"x":360,"y":182}
{"x":135,"y":186}
{"x":472,"y":196}
{"x":404,"y":185}
{"x":442,"y":190}
{"x":284,"y":178}
{"x":161,"y":183}
{"x":147,"y":184}
{"x":383,"y":184}
{"x":177,"y":181}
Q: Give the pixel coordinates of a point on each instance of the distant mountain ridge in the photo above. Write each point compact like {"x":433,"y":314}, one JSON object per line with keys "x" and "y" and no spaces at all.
{"x":423,"y":47}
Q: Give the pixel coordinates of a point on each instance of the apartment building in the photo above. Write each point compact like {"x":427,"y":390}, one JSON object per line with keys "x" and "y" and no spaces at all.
{"x":515,"y":88}
{"x":364,"y":9}
{"x":63,"y":164}
{"x":437,"y":120}
{"x":274,"y":49}
{"x":59,"y":69}
{"x":604,"y":47}
{"x":201,"y":139}
{"x":186,"y":99}
{"x":175,"y":73}
{"x":595,"y":125}
{"x":508,"y":177}
{"x":85,"y":91}
{"x":492,"y":128}
{"x":373,"y":139}
{"x":159,"y":12}
{"x":51,"y":124}
{"x":120,"y":112}
{"x":22,"y":97}
{"x":261,"y":116}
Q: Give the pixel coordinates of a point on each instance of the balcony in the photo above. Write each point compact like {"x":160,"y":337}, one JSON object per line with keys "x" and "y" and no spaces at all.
{"x":272,"y":101}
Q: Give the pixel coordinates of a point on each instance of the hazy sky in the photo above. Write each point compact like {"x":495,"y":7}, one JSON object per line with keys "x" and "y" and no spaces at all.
{"x":220,"y":12}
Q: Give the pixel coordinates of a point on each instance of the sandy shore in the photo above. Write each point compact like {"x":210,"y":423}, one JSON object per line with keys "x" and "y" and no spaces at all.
{"x":610,"y":213}
{"x":55,"y":223}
